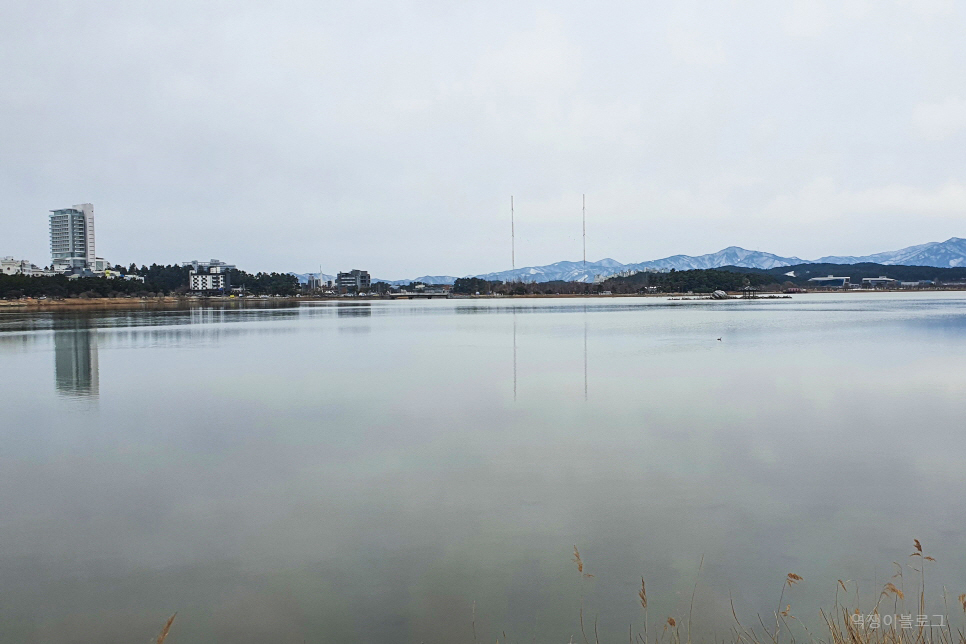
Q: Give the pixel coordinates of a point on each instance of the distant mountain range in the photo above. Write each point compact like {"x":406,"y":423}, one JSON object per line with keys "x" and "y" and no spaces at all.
{"x":947,"y":254}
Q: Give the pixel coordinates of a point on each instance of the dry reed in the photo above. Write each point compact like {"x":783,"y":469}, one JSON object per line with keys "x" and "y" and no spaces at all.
{"x":163,"y":635}
{"x":841,"y":623}
{"x":844,"y":623}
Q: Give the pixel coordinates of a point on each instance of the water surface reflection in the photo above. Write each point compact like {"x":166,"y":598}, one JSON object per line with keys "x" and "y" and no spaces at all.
{"x":275,"y":475}
{"x":75,"y":362}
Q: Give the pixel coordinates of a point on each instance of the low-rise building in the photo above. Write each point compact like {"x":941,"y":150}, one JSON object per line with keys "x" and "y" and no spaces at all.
{"x":209,"y":277}
{"x":831,"y":282}
{"x":355,"y":281}
{"x":878,"y":282}
{"x":11,"y":266}
{"x":110,"y":273}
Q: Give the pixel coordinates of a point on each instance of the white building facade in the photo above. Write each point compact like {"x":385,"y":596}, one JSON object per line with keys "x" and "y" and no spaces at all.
{"x":209,"y":277}
{"x":207,"y":281}
{"x":11,"y":266}
{"x":72,"y":238}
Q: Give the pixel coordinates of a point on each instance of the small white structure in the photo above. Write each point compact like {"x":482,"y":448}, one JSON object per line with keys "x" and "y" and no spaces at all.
{"x":110,"y":273}
{"x":11,"y":266}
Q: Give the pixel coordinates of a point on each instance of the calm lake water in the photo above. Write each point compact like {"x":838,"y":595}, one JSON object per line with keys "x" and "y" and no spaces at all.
{"x":371,"y":472}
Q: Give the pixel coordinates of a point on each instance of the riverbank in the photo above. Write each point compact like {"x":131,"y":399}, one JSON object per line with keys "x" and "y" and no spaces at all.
{"x":97,"y":303}
{"x":79,"y":303}
{"x":120,"y":303}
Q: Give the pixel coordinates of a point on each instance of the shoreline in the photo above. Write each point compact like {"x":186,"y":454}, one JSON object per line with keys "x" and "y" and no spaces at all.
{"x":106,"y":303}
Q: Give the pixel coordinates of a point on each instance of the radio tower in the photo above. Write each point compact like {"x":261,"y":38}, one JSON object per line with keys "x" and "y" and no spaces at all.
{"x":513,"y":238}
{"x":584,"y":219}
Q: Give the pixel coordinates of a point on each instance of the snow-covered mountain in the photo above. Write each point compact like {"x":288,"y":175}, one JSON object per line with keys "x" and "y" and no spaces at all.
{"x":730,"y":256}
{"x":566,"y":271}
{"x":949,"y":253}
{"x":577,"y":272}
{"x":425,"y":279}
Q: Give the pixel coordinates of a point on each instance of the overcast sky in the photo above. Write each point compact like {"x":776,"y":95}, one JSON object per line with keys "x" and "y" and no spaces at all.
{"x":389,"y":136}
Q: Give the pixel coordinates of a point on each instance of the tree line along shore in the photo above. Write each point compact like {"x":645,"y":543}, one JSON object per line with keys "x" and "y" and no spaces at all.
{"x":164,"y":282}
{"x":159,"y":281}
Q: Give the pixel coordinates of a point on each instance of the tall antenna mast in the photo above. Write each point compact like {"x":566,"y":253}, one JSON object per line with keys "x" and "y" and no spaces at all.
{"x":584,"y":199}
{"x":513,"y":238}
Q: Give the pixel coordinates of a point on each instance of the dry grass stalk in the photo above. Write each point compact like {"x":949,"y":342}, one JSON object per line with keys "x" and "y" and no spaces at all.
{"x":580,"y":564}
{"x":163,"y":635}
{"x":891,"y":589}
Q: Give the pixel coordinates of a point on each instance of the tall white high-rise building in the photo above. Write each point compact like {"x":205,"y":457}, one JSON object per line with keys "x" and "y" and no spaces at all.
{"x":72,"y":238}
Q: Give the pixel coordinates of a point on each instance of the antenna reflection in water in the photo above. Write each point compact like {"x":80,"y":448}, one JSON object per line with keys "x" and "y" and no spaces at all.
{"x":586,"y":378}
{"x":514,"y":355}
{"x":585,"y":354}
{"x":75,"y":362}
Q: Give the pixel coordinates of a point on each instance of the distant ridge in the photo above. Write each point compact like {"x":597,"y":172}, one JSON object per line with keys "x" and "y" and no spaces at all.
{"x":948,"y":254}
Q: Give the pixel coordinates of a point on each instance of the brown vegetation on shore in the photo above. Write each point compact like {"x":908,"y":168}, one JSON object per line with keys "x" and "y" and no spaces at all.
{"x":89,"y":303}
{"x":888,"y":621}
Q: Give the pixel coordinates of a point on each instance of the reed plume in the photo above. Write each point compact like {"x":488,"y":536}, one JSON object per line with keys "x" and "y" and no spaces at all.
{"x":163,"y":635}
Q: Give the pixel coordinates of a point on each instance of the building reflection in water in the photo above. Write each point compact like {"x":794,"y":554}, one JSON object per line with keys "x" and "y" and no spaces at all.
{"x":354,"y":309}
{"x":75,"y":362}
